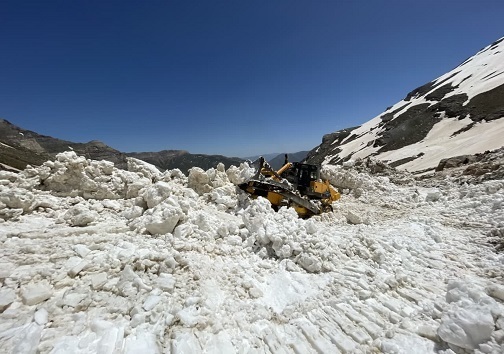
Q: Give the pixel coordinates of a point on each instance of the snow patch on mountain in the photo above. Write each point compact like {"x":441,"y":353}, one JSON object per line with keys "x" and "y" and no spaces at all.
{"x":481,"y":137}
{"x":480,"y":73}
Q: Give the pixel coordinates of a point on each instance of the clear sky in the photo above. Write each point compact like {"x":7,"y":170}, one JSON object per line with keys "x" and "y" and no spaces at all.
{"x":234,"y":77}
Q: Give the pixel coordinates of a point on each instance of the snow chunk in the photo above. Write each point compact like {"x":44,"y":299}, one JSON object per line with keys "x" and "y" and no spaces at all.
{"x":156,"y":193}
{"x":166,"y":282}
{"x":433,"y":195}
{"x":310,"y":263}
{"x":238,"y":175}
{"x":467,"y":327}
{"x":163,"y":218}
{"x":496,"y":291}
{"x":143,"y":168}
{"x":29,"y":339}
{"x":151,"y":302}
{"x":133,"y":212}
{"x":111,"y":340}
{"x":225,"y":197}
{"x":72,"y":273}
{"x":199,"y":180}
{"x":81,"y":250}
{"x":41,"y":317}
{"x":7,"y":297}
{"x":79,"y":215}
{"x":468,"y":321}
{"x":141,"y":343}
{"x":98,"y":280}
{"x":190,"y":316}
{"x":35,"y":293}
{"x":8,"y":176}
{"x":353,"y":218}
{"x":205,"y":181}
{"x":16,"y":198}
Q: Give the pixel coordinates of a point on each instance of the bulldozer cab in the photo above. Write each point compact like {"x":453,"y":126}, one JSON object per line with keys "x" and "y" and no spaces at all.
{"x":306,"y":174}
{"x":301,"y":175}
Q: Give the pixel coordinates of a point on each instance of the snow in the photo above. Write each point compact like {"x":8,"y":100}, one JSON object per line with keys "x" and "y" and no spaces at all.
{"x":365,"y":135}
{"x":470,"y":322}
{"x":32,"y":294}
{"x":485,"y":70}
{"x":94,"y":259}
{"x":440,"y":143}
{"x":6,"y":145}
{"x":7,"y":297}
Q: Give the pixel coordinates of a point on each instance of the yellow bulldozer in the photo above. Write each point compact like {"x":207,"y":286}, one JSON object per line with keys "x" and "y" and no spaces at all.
{"x":297,"y":185}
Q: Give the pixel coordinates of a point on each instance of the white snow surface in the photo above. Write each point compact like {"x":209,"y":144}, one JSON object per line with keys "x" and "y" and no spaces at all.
{"x":438,"y":143}
{"x":482,"y":72}
{"x":99,"y":260}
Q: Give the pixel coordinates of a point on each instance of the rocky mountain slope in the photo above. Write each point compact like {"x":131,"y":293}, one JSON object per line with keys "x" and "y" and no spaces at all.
{"x":458,"y":113}
{"x":20,"y":147}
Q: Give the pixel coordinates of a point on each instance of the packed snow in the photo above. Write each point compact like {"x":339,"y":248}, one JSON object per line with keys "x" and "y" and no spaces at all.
{"x":95,"y":259}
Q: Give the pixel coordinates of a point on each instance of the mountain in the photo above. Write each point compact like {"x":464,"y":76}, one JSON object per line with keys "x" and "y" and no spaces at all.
{"x":269,"y":156}
{"x":279,"y":160}
{"x":20,"y":147}
{"x":459,"y":113}
{"x":183,"y":160}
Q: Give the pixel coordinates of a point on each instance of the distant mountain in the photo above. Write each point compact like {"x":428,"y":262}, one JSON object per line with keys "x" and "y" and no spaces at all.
{"x":170,"y":159}
{"x":20,"y":147}
{"x":267,"y":157}
{"x":458,"y":113}
{"x":279,"y":160}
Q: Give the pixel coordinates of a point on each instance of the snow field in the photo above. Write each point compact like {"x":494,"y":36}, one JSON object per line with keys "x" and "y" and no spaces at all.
{"x":100,"y":260}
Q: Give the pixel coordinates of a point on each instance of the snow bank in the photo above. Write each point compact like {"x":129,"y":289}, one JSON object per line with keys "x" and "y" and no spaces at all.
{"x":346,"y":177}
{"x":72,"y":175}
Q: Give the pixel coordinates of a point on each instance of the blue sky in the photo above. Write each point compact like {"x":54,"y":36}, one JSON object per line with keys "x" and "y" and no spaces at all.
{"x":236,"y":78}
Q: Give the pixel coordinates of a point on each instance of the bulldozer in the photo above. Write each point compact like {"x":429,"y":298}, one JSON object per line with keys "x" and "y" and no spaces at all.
{"x":297,"y":185}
